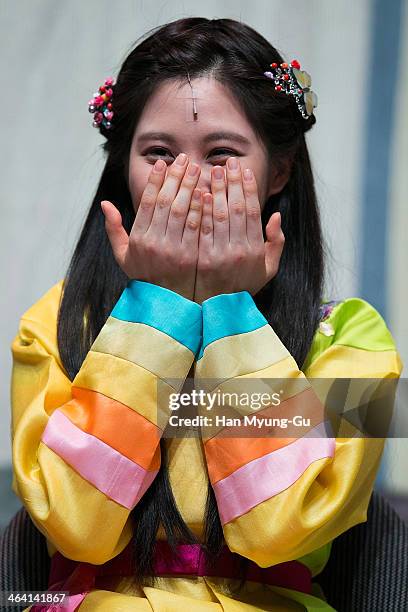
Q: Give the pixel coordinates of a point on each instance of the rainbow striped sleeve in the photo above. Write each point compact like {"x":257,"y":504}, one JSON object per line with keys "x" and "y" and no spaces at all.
{"x":85,"y":453}
{"x":280,"y":498}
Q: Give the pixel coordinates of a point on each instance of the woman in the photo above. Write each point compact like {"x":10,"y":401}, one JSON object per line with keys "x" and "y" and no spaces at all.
{"x":196,"y":265}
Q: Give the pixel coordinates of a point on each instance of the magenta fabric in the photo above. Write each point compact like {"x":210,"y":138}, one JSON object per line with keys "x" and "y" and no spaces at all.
{"x":79,"y":578}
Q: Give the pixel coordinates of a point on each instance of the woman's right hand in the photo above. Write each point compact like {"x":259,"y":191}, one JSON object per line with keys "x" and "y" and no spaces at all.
{"x":162,"y":247}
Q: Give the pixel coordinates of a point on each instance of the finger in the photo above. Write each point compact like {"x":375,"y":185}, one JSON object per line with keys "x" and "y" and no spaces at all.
{"x":182,"y":204}
{"x":116,"y":232}
{"x":273,"y":245}
{"x":220,"y":207}
{"x":207,"y":226}
{"x":147,"y":203}
{"x":253,"y":209}
{"x":193,"y":222}
{"x":236,"y":202}
{"x":167,"y":195}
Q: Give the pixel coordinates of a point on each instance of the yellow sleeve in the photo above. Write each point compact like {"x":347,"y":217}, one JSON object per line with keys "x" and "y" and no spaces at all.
{"x":85,"y":452}
{"x":284,"y":486}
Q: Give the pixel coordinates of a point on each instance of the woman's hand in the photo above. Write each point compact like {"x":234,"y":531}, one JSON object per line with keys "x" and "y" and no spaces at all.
{"x":232,"y":253}
{"x":162,"y":247}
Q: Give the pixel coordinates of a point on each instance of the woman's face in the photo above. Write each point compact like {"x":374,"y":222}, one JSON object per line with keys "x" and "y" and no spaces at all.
{"x":166,"y":128}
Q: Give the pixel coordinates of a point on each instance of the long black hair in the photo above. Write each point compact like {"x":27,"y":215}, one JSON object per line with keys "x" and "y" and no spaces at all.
{"x":237,"y":56}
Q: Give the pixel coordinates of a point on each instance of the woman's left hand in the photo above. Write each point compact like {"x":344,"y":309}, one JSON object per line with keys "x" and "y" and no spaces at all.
{"x":232,"y":254}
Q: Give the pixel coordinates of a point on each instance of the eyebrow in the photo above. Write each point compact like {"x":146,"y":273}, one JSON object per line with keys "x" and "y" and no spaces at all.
{"x":164,"y":136}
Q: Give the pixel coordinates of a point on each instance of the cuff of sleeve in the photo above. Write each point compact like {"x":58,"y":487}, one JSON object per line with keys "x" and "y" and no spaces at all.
{"x":228,"y":314}
{"x":163,"y":309}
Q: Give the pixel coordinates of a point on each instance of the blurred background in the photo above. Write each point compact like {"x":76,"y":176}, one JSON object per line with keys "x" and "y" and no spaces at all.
{"x":55,"y":55}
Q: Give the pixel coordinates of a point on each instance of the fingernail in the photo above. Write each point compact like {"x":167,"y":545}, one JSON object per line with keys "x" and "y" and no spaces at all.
{"x":181,"y":159}
{"x":196,"y":194}
{"x":247,"y":174}
{"x":159,"y":165}
{"x":218,"y":172}
{"x":232,"y":163}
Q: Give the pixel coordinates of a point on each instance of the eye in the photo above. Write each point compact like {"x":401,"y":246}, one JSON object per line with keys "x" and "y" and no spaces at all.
{"x":224,"y":153}
{"x":163,"y":152}
{"x":157,"y":152}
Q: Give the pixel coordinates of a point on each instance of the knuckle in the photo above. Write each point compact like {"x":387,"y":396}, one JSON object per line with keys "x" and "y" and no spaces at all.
{"x":164,"y":200}
{"x":206,"y":229}
{"x":238,"y":207}
{"x":192,"y":224}
{"x":250,"y":187}
{"x":253,"y":212}
{"x":149,"y":247}
{"x":167,"y":252}
{"x":187,"y":182}
{"x":150,"y":191}
{"x":148,"y":201}
{"x":134,"y":243}
{"x":204,"y":265}
{"x":186,"y":262}
{"x":177,"y":211}
{"x":195,"y":206}
{"x":220,"y":215}
{"x":235,"y":178}
{"x":176,"y":171}
{"x":238,"y":256}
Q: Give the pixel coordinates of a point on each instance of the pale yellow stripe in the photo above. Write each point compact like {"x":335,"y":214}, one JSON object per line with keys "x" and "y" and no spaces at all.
{"x":232,"y":393}
{"x":257,"y":350}
{"x":340,"y":361}
{"x":283,"y":375}
{"x":331,"y":496}
{"x":150,"y":348}
{"x":127,"y":383}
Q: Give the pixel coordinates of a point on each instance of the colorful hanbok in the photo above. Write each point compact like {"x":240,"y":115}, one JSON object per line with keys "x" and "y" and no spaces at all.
{"x":85,"y":452}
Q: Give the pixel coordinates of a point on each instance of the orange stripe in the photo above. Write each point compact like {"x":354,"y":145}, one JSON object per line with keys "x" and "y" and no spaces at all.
{"x":226,"y":452}
{"x":116,"y":424}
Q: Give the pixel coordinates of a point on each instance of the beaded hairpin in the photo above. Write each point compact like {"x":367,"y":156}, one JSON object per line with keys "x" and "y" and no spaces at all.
{"x":291,"y":80}
{"x":101,"y":104}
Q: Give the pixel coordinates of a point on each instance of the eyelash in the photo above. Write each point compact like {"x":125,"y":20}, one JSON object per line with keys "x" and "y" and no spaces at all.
{"x":150,"y":152}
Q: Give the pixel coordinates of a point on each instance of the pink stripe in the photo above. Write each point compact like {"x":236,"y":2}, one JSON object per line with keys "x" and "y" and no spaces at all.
{"x":271,"y":474}
{"x":70,"y":603}
{"x":108,"y":470}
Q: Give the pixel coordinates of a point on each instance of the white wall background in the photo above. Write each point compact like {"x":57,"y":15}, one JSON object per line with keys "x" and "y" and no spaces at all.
{"x":53,"y":57}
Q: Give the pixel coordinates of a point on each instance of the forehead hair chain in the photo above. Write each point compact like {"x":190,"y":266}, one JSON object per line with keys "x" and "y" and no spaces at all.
{"x":292,"y":81}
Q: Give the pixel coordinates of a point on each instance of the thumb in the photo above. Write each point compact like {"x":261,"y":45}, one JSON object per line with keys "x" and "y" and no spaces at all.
{"x":274,"y":244}
{"x":116,"y":232}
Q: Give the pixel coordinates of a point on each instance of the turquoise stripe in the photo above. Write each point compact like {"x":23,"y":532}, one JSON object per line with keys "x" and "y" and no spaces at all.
{"x":229,"y":314}
{"x":163,"y":309}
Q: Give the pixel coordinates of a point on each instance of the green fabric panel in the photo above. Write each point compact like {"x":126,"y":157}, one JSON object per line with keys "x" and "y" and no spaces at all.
{"x":356,"y":324}
{"x":317,"y":559}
